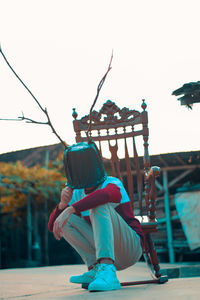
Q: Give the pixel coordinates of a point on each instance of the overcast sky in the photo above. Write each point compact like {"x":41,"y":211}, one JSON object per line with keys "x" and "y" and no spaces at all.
{"x":61,"y":50}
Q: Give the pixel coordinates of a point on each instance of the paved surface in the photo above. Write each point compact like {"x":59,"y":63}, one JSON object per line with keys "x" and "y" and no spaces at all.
{"x":53,"y":283}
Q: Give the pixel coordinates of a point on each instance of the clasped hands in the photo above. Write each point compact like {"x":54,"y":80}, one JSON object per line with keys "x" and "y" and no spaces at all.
{"x":62,"y":219}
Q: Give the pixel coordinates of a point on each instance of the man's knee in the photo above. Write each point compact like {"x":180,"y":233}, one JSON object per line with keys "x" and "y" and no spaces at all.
{"x":72,"y":221}
{"x":103,"y":208}
{"x":70,"y":227}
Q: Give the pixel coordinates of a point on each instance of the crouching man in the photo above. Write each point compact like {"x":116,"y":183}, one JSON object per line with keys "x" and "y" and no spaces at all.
{"x":95,"y":217}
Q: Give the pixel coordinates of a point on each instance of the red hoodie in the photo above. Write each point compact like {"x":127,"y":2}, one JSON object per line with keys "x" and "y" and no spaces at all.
{"x":110,"y":193}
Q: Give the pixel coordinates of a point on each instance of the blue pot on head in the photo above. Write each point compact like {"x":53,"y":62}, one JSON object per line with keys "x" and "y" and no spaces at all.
{"x":83,"y":165}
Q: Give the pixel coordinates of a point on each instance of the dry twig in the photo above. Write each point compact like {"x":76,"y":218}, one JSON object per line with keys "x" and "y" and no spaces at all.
{"x":97,"y":95}
{"x":44,"y":110}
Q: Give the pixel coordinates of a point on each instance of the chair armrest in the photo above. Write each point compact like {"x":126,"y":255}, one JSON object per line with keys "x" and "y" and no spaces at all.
{"x":150,"y":191}
{"x":153,"y":172}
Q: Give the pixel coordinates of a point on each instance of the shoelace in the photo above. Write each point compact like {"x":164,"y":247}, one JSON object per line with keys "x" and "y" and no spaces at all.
{"x":101,"y":271}
{"x":94,"y":269}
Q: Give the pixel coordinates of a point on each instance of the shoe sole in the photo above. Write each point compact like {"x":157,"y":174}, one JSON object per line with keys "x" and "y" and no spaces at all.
{"x":105,"y":290}
{"x":85,"y":286}
{"x":92,"y":291}
{"x":81,"y":282}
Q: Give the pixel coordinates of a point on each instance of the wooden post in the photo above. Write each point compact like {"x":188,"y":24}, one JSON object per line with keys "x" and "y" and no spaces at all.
{"x":0,"y":253}
{"x":168,"y":218}
{"x":46,"y":232}
{"x":36,"y":246}
{"x":29,"y":228}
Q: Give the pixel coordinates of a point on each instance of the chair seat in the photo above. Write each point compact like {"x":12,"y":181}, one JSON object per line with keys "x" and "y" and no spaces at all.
{"x":146,"y":225}
{"x":145,"y":220}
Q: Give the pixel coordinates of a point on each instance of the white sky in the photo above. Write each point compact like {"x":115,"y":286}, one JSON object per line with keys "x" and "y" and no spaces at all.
{"x":61,"y":50}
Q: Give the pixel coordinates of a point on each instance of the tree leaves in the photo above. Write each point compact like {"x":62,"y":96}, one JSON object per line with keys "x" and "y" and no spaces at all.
{"x":16,"y":181}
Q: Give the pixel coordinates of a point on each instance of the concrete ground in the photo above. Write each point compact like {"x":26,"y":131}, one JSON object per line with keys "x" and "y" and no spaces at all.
{"x":53,"y":283}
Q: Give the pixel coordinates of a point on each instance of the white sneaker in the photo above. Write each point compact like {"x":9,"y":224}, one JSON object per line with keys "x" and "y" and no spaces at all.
{"x":86,"y":277}
{"x":105,"y":279}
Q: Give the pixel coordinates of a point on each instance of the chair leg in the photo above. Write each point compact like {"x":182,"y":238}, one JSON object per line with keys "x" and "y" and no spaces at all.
{"x":160,"y":280}
{"x":151,"y":257}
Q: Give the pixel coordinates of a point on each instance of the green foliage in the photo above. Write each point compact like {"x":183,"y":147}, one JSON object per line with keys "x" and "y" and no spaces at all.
{"x":17,"y":181}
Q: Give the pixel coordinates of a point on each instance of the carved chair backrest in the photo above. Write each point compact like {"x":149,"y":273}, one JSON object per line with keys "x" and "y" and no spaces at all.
{"x":113,"y":124}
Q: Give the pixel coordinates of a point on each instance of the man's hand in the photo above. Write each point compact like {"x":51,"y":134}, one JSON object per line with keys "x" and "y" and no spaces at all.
{"x":66,"y":196}
{"x":61,"y":221}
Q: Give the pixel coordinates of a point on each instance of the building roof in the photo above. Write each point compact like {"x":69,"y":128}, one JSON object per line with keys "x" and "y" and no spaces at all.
{"x":33,"y":156}
{"x":174,"y":163}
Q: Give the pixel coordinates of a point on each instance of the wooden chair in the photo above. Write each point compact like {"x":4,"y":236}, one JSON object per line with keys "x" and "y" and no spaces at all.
{"x":114,"y":124}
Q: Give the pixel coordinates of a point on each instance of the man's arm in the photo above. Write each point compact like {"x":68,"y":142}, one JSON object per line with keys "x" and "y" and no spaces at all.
{"x":66,"y":196}
{"x":111,"y":193}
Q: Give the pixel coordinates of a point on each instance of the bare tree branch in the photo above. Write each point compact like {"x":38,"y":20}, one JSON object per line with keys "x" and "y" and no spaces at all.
{"x":97,"y":95}
{"x":28,"y":120}
{"x":43,"y":109}
{"x":9,"y":119}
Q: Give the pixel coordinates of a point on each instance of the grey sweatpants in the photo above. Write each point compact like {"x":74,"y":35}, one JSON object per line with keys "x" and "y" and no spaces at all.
{"x":108,"y":236}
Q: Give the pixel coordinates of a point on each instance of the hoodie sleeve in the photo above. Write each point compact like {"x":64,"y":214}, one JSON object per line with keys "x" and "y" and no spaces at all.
{"x":111,"y":193}
{"x":55,"y":213}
